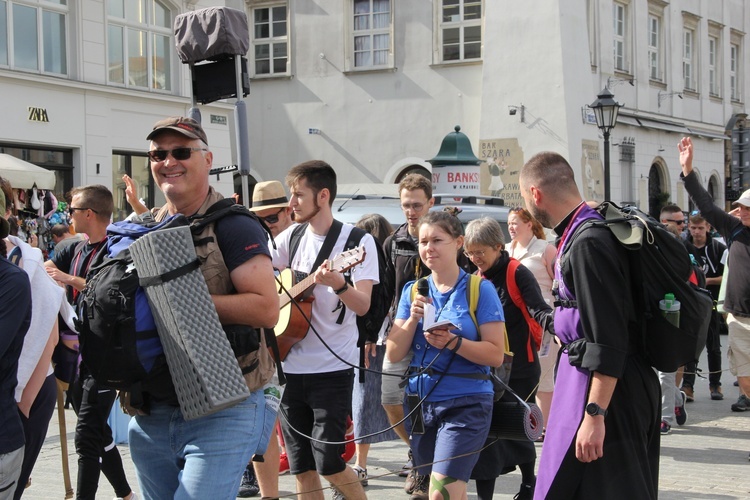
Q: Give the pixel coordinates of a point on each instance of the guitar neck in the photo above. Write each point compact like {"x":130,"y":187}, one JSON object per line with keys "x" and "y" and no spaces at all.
{"x":297,"y":290}
{"x":343,"y":262}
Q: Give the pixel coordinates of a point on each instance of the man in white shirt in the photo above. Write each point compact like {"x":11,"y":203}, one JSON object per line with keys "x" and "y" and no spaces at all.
{"x":319,"y":368}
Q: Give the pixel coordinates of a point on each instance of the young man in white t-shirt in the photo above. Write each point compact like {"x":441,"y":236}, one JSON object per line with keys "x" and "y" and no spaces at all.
{"x":320,"y":367}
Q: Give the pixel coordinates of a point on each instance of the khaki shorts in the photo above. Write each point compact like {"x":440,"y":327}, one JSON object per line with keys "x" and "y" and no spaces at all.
{"x":547,"y":363}
{"x":739,"y":345}
{"x":390,"y":392}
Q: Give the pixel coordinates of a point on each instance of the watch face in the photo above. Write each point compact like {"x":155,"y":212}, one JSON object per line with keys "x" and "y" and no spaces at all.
{"x":594,"y":409}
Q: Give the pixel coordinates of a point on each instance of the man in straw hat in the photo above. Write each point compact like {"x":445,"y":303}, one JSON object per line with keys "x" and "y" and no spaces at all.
{"x":271,"y":204}
{"x":15,"y":317}
{"x":736,"y":232}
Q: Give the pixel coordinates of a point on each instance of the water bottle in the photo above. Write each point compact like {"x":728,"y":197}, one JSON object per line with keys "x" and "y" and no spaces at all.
{"x":670,"y":309}
{"x":273,"y":396}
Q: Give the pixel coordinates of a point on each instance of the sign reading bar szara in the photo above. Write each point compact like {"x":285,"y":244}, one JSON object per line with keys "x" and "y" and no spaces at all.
{"x":502,"y":160}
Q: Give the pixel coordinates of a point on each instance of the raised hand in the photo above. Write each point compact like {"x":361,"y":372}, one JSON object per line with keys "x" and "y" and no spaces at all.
{"x":685,"y":146}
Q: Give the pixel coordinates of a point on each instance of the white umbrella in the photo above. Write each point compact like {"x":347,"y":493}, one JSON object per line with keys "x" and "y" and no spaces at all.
{"x":23,"y":175}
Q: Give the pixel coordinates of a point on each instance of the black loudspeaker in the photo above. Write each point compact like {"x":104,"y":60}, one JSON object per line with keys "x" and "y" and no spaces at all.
{"x":216,"y":80}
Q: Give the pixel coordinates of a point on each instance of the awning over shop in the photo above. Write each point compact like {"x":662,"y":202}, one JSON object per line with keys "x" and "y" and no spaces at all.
{"x":628,"y":120}
{"x":707,"y":134}
{"x":23,"y":175}
{"x":663,"y":125}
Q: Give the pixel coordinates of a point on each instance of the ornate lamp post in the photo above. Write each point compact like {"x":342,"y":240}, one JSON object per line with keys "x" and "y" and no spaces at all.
{"x":605,"y":109}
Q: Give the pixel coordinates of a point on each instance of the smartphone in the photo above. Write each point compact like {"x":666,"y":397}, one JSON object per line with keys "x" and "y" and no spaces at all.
{"x":417,"y":424}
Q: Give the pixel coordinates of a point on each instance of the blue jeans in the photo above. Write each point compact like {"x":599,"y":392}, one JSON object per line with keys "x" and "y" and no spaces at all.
{"x":201,"y":458}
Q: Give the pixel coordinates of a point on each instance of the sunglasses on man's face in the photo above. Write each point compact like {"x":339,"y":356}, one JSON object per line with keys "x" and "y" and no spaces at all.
{"x":273,"y":218}
{"x":177,"y":153}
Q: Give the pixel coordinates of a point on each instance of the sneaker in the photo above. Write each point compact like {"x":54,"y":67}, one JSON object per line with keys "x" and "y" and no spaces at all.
{"x":406,"y":469}
{"x":421,"y":488}
{"x":249,"y":485}
{"x":411,"y":481}
{"x":133,"y":496}
{"x":283,"y":464}
{"x":716,"y":393}
{"x":742,"y":404}
{"x":362,"y":475}
{"x":525,"y":493}
{"x":337,"y":495}
{"x":688,"y":393}
{"x":665,"y":428}
{"x":680,"y":414}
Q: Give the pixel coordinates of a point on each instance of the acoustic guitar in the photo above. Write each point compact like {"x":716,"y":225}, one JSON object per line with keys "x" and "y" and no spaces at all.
{"x":295,"y":308}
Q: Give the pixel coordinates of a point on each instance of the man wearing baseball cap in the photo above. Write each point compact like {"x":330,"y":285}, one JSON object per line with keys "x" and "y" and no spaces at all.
{"x":271,"y":204}
{"x":736,"y":232}
{"x":15,"y":317}
{"x":205,"y":457}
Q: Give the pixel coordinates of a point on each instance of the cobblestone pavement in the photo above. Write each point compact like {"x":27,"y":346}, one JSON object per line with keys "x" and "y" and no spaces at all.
{"x":705,"y":459}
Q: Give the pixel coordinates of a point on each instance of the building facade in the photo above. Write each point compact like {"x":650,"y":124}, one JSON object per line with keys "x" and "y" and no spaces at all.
{"x":373,"y":86}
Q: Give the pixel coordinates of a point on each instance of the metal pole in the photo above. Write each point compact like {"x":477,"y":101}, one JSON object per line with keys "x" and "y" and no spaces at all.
{"x":606,"y":166}
{"x":242,"y":136}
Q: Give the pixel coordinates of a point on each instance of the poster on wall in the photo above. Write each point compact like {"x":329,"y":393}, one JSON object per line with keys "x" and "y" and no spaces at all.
{"x":502,"y":160}
{"x":592,"y":171}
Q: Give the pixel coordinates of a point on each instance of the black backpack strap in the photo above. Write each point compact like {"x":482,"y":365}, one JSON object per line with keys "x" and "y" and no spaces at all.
{"x":218,"y":211}
{"x":325,"y":250}
{"x":294,"y":240}
{"x":274,"y":345}
{"x":353,"y":241}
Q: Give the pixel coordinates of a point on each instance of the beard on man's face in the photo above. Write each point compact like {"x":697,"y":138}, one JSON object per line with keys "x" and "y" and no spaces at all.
{"x":302,"y":219}
{"x":542,"y":216}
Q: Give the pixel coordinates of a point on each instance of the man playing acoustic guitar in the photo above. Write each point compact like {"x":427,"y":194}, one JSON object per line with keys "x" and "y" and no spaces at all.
{"x":319,"y":367}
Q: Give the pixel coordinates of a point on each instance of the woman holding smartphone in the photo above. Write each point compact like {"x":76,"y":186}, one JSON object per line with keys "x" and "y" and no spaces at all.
{"x":448,"y":383}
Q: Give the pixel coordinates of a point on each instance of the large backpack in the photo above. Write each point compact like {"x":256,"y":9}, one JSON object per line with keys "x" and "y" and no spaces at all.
{"x":659,"y":264}
{"x":119,"y":342}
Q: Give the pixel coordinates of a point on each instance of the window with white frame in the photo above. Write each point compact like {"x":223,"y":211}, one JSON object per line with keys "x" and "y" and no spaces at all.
{"x":713,"y":64}
{"x":460,"y":30}
{"x":372,"y":33}
{"x":736,"y":67}
{"x":621,"y":39}
{"x":688,"y":59}
{"x":139,"y":44}
{"x":33,"y":35}
{"x":270,"y":40}
{"x":654,"y":47}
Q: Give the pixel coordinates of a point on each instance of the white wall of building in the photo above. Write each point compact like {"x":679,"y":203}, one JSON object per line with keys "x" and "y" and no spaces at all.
{"x":375,"y":124}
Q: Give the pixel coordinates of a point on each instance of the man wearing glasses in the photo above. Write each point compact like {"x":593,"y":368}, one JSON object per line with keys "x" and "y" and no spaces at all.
{"x":271,"y":204}
{"x":204,"y":457}
{"x":90,"y":212}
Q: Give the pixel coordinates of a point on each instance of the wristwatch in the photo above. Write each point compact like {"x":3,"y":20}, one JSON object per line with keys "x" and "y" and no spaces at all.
{"x":342,"y":289}
{"x":594,"y":409}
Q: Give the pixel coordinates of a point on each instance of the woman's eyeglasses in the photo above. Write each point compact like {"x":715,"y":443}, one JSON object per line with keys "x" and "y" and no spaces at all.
{"x":71,"y":210}
{"x":471,"y":255}
{"x":273,"y":218}
{"x":177,"y":153}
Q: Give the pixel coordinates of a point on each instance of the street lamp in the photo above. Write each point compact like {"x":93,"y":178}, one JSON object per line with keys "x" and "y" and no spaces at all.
{"x":605,"y":110}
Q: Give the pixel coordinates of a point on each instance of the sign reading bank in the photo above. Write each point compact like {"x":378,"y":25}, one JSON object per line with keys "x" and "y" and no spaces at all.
{"x":456,"y":179}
